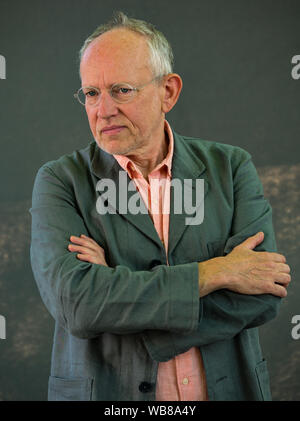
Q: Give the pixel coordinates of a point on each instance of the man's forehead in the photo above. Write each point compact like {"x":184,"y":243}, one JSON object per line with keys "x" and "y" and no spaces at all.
{"x":116,"y":48}
{"x":118,"y":36}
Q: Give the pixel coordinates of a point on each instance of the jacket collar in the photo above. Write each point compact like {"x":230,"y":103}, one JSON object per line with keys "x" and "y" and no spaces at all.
{"x":185,"y":165}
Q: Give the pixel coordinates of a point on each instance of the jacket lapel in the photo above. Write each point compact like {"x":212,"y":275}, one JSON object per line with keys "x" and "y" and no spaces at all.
{"x":187,"y":169}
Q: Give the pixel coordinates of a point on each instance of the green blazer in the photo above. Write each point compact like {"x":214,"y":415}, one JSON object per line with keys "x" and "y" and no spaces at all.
{"x":113,"y":325}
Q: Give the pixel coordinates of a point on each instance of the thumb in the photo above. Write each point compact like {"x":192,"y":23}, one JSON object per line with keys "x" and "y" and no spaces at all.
{"x":253,"y":241}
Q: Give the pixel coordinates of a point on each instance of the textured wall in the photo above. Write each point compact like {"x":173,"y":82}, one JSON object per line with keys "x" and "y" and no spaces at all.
{"x":235,"y":61}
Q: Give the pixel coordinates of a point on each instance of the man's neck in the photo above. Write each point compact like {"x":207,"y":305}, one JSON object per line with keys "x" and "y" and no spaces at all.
{"x":146,"y":161}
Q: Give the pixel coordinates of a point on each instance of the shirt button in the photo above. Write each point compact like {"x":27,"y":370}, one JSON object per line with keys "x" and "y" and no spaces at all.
{"x":185,"y":380}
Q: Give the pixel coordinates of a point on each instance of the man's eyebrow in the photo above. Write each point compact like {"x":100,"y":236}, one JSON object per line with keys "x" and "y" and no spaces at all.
{"x":112,"y":84}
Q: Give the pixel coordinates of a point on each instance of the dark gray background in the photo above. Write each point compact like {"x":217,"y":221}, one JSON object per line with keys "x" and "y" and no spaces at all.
{"x":235,"y":61}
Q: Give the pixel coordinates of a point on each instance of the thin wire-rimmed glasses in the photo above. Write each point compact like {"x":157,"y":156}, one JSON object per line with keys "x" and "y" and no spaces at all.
{"x":120,"y":92}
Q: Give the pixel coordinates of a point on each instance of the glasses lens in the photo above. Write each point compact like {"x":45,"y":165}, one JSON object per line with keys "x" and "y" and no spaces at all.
{"x":123,"y":92}
{"x":88,"y":96}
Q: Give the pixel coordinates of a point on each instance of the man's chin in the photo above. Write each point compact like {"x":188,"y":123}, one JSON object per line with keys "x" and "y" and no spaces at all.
{"x":112,"y":147}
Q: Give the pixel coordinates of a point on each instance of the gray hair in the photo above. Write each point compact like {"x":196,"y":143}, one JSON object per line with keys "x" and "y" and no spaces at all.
{"x":161,"y":55}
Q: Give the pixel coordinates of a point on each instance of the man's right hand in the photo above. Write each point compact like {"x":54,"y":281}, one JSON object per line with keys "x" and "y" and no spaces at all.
{"x":246,"y":271}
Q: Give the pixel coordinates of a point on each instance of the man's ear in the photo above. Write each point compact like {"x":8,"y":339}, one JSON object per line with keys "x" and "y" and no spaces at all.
{"x":172,"y":85}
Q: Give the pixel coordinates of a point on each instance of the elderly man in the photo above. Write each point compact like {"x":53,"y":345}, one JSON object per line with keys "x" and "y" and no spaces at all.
{"x":147,"y":306}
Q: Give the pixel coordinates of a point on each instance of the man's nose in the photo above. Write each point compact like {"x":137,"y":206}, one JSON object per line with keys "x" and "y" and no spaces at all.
{"x":106,"y":107}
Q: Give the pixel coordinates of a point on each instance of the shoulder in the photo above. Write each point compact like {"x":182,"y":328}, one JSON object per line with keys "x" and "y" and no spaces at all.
{"x":70,"y":165}
{"x":210,"y":149}
{"x":212,"y":153}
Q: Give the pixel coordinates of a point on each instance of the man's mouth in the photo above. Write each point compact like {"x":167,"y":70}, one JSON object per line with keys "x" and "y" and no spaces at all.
{"x":112,"y":129}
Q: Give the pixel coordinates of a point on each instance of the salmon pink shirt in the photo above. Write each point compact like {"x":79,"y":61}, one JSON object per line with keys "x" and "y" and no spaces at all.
{"x":181,"y":378}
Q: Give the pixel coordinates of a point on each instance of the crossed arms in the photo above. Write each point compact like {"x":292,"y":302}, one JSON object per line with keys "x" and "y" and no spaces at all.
{"x":243,"y":270}
{"x":200,"y":302}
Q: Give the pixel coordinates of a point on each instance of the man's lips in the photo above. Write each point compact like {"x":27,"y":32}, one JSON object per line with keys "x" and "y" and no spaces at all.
{"x":112,"y":129}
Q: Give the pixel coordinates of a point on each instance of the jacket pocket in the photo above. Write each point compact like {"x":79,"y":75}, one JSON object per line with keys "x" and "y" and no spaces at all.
{"x":223,"y":390}
{"x":69,"y":389}
{"x":262,"y":375}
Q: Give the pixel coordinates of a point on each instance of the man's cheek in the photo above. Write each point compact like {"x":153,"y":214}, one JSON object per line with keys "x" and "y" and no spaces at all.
{"x":93,"y":124}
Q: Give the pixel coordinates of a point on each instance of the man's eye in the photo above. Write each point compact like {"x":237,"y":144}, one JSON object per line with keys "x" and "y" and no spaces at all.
{"x":125,"y":90}
{"x":122,"y":90}
{"x":90,"y":93}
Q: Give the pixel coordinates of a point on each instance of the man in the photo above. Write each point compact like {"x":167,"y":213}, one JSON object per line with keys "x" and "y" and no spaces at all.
{"x":147,"y":306}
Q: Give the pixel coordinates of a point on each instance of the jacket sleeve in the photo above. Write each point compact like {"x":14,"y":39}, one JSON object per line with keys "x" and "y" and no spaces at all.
{"x":223,"y":313}
{"x":88,"y":299}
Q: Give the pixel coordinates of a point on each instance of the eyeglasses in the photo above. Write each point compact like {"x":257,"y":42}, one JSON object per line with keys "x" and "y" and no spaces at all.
{"x":120,"y":92}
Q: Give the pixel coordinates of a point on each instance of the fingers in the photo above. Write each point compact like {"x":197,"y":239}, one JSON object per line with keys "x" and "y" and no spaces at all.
{"x":89,"y":240}
{"x":273,"y":272}
{"x":279,"y":291}
{"x":253,"y":241}
{"x":85,"y":241}
{"x":282,"y":267}
{"x":273,"y":266}
{"x":87,"y":258}
{"x":88,"y":249}
{"x":283,"y":279}
{"x":276,"y":257}
{"x":96,"y":259}
{"x":83,"y":250}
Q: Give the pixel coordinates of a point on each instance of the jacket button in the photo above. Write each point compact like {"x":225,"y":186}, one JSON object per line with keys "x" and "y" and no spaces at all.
{"x":155,"y":263}
{"x":145,"y":387}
